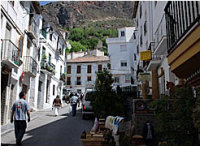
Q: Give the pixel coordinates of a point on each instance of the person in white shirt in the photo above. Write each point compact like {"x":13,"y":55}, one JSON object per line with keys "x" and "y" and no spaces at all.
{"x":74,"y":100}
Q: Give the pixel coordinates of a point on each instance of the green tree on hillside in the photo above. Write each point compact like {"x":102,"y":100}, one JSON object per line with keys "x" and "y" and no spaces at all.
{"x":77,"y":34}
{"x":76,"y":46}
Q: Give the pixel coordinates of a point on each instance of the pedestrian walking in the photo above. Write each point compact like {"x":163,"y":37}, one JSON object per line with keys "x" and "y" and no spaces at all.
{"x":148,"y":134}
{"x":57,"y":105}
{"x":73,"y":101}
{"x":19,"y":110}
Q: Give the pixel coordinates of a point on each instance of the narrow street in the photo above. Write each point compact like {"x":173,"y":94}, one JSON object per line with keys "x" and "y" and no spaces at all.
{"x":48,"y":130}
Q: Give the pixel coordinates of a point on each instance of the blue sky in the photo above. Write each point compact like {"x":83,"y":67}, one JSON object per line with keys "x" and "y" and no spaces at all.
{"x":45,"y":2}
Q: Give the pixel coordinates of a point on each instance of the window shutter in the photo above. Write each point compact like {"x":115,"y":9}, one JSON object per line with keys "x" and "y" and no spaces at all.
{"x":20,"y":46}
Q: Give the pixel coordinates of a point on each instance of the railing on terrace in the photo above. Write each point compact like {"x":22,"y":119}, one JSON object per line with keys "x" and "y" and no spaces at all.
{"x":181,"y":16}
{"x":160,"y":32}
{"x":35,"y":28}
{"x":10,"y":51}
{"x":30,"y":65}
{"x":48,"y":66}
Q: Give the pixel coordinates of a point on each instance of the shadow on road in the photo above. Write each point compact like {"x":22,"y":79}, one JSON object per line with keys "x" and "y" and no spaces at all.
{"x":62,"y":132}
{"x":5,"y":144}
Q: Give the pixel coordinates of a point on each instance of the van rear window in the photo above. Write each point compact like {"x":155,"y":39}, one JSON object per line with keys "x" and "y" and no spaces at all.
{"x":90,"y":95}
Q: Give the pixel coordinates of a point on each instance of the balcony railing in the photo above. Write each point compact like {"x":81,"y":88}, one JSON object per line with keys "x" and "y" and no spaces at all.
{"x":10,"y":53}
{"x":78,"y":82}
{"x":50,"y":67}
{"x":62,"y":77}
{"x":160,"y":37}
{"x":35,"y":28}
{"x":30,"y":66}
{"x":181,"y":16}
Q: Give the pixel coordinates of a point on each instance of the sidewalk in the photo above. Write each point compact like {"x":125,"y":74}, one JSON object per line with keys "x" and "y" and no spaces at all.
{"x":10,"y":126}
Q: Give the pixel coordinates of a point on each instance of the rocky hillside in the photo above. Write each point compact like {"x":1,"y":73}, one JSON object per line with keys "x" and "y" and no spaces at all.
{"x":70,"y":14}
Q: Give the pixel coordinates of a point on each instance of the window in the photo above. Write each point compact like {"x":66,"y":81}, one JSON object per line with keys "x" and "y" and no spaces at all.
{"x":40,"y":86}
{"x":99,"y":67}
{"x":78,"y":81}
{"x":78,"y":69}
{"x":89,"y":69}
{"x":137,"y":48}
{"x":116,"y":79}
{"x":123,"y":63}
{"x":50,"y":36}
{"x":12,"y":3}
{"x":123,"y":48}
{"x":89,"y":78}
{"x":69,"y":69}
{"x":53,"y":89}
{"x":60,"y":70}
{"x":140,"y":10}
{"x":68,"y":80}
{"x":145,"y":27}
{"x":122,"y":33}
{"x":49,"y":58}
{"x":135,"y":58}
{"x":22,"y":3}
{"x":141,"y":40}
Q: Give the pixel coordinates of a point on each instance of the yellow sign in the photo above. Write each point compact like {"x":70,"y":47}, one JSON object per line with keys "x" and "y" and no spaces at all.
{"x":145,"y":55}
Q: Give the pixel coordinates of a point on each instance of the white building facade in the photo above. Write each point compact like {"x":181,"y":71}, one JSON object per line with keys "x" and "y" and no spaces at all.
{"x":19,"y":47}
{"x":81,"y":71}
{"x":150,"y":35}
{"x":52,"y":64}
{"x":122,"y":52}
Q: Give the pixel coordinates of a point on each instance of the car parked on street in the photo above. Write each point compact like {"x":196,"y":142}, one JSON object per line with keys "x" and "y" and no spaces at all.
{"x":86,"y":103}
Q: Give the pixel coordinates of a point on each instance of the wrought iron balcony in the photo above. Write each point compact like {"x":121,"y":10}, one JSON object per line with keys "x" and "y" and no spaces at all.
{"x":10,"y":54}
{"x":181,"y":16}
{"x":30,"y":66}
{"x":62,"y":77}
{"x":48,"y":67}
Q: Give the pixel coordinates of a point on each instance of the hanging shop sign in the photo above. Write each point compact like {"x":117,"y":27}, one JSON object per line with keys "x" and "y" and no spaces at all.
{"x":144,"y":77}
{"x":145,"y":55}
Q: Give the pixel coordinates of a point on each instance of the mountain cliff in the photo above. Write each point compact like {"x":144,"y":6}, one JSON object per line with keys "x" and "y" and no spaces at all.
{"x":71,"y":14}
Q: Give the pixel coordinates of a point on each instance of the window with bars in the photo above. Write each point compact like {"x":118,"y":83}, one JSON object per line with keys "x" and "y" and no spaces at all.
{"x":78,"y":82}
{"x":68,"y":80}
{"x":122,"y":33}
{"x":89,"y":78}
{"x":99,"y":67}
{"x":53,"y":89}
{"x":69,"y":69}
{"x":89,"y":69}
{"x":123,"y":63}
{"x":78,"y":69}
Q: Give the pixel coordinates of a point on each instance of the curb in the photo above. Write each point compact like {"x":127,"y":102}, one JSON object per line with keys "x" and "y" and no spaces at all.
{"x":12,"y":127}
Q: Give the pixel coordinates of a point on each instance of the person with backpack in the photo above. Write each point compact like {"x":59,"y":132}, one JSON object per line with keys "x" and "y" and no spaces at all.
{"x":57,"y":105}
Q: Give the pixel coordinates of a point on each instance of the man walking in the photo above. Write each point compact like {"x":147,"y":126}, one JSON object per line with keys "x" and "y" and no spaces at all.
{"x":73,"y":101}
{"x":19,"y":110}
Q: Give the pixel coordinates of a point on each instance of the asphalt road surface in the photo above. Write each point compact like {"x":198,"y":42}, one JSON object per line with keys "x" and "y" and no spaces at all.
{"x":50,"y":130}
